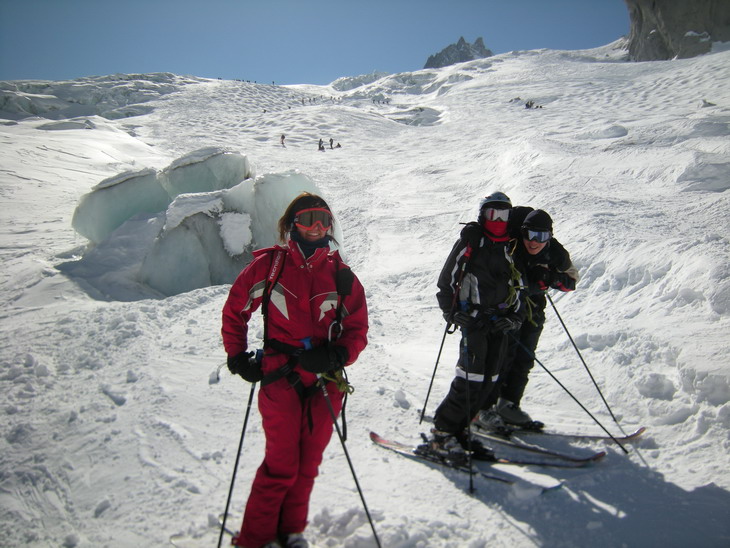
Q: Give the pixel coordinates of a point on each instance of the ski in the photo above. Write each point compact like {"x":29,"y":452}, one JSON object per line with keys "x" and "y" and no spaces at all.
{"x":589,"y":437}
{"x":518,"y":444}
{"x":412,"y":450}
{"x":409,"y":451}
{"x":536,"y":428}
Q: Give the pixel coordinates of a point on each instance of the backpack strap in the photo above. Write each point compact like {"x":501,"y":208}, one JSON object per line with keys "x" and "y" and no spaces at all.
{"x":344,"y":279}
{"x":278,"y":257}
{"x":469,"y":252}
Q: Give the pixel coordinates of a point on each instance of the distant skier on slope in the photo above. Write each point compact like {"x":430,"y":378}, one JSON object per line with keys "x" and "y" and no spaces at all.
{"x":479,"y":291}
{"x":311,"y":328}
{"x":545,"y":264}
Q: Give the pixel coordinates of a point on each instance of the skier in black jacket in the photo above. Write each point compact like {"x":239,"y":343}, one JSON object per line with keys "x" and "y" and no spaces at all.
{"x":479,"y":291}
{"x":545,"y":264}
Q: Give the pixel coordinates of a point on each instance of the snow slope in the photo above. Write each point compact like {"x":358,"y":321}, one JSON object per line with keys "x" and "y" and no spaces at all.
{"x":115,"y":433}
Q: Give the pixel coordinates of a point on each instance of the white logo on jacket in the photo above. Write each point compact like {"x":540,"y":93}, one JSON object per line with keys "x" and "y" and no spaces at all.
{"x":329,"y":303}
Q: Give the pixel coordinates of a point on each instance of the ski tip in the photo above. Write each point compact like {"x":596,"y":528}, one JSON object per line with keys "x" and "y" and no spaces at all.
{"x":634,"y":435}
{"x":598,"y":456}
{"x":551,"y":488}
{"x":375,"y":437}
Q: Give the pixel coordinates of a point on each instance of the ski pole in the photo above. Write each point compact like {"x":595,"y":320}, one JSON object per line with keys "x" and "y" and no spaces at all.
{"x":583,"y":407}
{"x":468,"y":413}
{"x":347,"y":456}
{"x":433,"y":375}
{"x":581,"y":358}
{"x":235,"y":467}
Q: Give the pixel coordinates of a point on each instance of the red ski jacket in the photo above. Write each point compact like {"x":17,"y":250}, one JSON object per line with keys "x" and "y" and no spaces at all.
{"x":302,"y":304}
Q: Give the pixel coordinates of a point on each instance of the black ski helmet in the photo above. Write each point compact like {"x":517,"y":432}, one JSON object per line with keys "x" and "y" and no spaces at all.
{"x":538,"y":220}
{"x":497,"y":200}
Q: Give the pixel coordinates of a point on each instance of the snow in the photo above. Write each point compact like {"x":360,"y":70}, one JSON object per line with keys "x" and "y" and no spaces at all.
{"x":118,"y":430}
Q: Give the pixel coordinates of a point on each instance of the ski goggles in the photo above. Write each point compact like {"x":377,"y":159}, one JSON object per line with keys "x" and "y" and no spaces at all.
{"x":541,"y":236}
{"x":494,"y":214}
{"x":307,"y":219}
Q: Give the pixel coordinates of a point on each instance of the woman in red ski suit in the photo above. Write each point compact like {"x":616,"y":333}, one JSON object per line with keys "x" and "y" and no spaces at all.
{"x":296,"y":285}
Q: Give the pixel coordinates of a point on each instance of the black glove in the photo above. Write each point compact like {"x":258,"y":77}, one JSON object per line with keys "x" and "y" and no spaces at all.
{"x":506,"y":324}
{"x":461,"y":319}
{"x":562,"y":281}
{"x":246,"y":365}
{"x":472,"y":234}
{"x":323,"y":358}
{"x":541,"y":276}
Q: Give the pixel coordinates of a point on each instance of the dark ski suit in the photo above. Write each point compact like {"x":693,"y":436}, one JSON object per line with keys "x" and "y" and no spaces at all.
{"x":563,"y":276}
{"x":483,"y":272}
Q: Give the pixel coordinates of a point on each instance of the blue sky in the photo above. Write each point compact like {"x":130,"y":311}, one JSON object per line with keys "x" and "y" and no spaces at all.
{"x":282,"y":41}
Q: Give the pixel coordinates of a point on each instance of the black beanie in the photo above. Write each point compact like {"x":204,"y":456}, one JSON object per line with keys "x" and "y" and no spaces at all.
{"x":538,"y":220}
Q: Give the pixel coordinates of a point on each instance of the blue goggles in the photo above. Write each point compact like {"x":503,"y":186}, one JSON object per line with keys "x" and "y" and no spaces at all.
{"x":541,"y":236}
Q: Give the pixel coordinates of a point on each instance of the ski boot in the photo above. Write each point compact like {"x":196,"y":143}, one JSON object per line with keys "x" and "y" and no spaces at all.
{"x":512,"y":414}
{"x":479,"y":451}
{"x":491,"y":421}
{"x":445,"y":446}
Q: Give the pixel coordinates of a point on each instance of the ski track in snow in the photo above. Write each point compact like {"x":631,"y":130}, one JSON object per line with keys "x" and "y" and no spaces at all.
{"x":113,"y":435}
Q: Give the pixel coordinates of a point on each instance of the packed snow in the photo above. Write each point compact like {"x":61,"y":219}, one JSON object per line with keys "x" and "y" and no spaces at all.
{"x":130,"y":203}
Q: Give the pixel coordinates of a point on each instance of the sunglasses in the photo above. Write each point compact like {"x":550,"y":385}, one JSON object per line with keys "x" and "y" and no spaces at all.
{"x":541,"y":236}
{"x":307,"y":219}
{"x":494,"y":214}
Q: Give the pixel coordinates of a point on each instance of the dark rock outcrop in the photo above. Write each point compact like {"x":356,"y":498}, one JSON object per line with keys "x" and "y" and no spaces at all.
{"x":664,"y":29}
{"x":458,"y":53}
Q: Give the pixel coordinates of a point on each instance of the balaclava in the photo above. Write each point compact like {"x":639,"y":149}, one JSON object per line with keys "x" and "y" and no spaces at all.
{"x":496,"y":229}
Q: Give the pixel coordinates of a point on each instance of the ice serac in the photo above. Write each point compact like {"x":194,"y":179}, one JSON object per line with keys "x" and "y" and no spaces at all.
{"x":191,"y":225}
{"x":208,"y":238}
{"x":116,"y":199}
{"x":460,"y":52}
{"x":347,"y":83}
{"x":205,"y":170}
{"x":665,"y":29}
{"x":113,"y":97}
{"x":124,"y":196}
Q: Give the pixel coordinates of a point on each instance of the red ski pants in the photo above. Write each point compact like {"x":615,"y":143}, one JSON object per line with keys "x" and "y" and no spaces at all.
{"x":279,"y":500}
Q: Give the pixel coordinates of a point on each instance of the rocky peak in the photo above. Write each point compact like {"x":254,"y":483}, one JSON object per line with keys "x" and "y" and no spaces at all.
{"x":664,"y":29}
{"x":458,"y":53}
